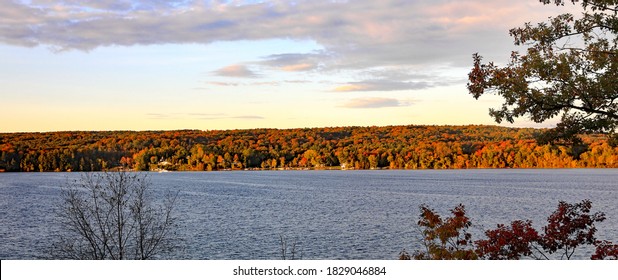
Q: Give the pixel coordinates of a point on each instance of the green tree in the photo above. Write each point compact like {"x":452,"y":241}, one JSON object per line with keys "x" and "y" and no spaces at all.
{"x":569,"y":69}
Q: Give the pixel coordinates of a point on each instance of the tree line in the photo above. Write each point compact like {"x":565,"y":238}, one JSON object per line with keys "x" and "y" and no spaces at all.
{"x":390,"y":147}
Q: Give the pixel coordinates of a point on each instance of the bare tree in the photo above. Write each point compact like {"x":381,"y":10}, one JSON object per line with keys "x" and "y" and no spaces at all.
{"x":111,"y":215}
{"x":289,"y":251}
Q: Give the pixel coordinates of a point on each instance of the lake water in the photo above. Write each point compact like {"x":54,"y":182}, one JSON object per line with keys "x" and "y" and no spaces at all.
{"x":329,"y":214}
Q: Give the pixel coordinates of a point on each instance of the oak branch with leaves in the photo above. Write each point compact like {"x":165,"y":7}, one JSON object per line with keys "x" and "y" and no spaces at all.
{"x":569,"y":70}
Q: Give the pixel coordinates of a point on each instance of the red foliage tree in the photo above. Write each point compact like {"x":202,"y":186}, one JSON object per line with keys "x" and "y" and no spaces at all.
{"x":508,"y":242}
{"x":570,"y":226}
{"x":605,"y":250}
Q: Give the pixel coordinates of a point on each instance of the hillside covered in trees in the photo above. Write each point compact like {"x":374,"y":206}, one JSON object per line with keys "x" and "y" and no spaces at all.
{"x":394,"y":147}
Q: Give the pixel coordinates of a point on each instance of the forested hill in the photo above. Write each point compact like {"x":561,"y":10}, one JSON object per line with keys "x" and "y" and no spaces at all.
{"x":395,"y":147}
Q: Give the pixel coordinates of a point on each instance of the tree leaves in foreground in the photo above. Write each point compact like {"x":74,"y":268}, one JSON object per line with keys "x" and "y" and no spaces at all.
{"x":444,"y":239}
{"x":113,"y":215}
{"x":568,"y":70}
{"x":569,"y":227}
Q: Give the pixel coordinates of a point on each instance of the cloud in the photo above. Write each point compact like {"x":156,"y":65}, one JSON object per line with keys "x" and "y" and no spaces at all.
{"x":228,"y":84}
{"x":236,"y":71}
{"x":381,"y":85}
{"x":361,"y":24}
{"x":224,"y":84}
{"x":298,"y":67}
{"x":158,"y":116}
{"x":354,"y":35}
{"x":373,"y":102}
{"x":296,"y":62}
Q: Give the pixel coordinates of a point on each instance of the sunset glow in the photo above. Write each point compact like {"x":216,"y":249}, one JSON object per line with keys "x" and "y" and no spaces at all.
{"x":161,"y":65}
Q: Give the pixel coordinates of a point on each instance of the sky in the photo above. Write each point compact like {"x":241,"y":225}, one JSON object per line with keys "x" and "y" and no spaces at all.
{"x":211,"y":65}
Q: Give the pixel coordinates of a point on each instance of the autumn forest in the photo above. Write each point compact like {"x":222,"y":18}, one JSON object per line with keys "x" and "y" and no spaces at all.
{"x":392,"y":147}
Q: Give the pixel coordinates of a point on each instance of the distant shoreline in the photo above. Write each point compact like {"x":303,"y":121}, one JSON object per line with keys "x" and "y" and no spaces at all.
{"x":346,"y":148}
{"x":313,"y":169}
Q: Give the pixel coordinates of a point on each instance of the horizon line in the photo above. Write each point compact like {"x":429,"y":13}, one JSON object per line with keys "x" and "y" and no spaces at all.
{"x":274,"y":128}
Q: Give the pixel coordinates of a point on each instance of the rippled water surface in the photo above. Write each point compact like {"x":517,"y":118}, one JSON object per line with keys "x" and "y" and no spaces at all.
{"x":328,"y":214}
